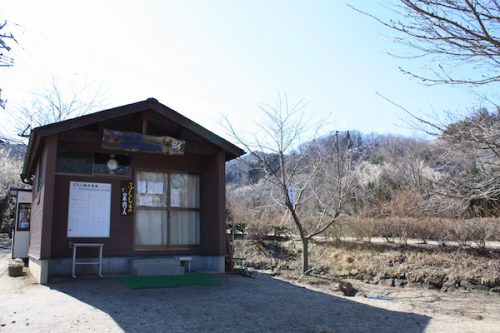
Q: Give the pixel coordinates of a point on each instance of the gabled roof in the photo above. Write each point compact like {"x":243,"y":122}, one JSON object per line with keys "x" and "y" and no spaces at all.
{"x":151,"y":104}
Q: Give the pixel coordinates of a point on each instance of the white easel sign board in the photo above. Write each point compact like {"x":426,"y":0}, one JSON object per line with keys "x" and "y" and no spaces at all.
{"x":89,"y":210}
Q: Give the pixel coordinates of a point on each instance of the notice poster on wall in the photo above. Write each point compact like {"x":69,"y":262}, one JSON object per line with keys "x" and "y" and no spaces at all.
{"x":89,"y":209}
{"x":175,"y":197}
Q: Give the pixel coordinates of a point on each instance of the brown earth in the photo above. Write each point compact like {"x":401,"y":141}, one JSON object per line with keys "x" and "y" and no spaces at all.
{"x":240,"y":304}
{"x":420,"y":265}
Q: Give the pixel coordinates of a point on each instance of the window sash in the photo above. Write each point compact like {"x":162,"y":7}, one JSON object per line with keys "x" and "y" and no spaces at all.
{"x":184,"y":227}
{"x":168,"y":209}
{"x":87,"y":163}
{"x":152,"y":231}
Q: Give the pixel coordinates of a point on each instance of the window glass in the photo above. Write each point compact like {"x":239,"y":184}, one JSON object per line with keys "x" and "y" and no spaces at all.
{"x":88,"y":163}
{"x":38,"y":176}
{"x":185,"y":191}
{"x":23,"y":217}
{"x":74,"y":162}
{"x":101,"y":164}
{"x":151,"y":189}
{"x":152,"y":229}
{"x":167,"y":206}
{"x":185,"y":227}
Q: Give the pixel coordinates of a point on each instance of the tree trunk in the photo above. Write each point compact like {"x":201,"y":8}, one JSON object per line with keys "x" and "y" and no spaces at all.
{"x":305,"y":254}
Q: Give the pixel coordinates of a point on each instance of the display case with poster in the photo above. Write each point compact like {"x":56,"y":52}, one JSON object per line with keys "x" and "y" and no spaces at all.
{"x":24,"y":216}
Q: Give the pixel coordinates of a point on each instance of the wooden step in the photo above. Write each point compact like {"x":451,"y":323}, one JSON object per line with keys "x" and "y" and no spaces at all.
{"x":155,"y":266}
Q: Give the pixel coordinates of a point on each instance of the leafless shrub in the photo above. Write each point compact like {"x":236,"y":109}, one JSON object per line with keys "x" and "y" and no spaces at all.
{"x":460,"y":231}
{"x":361,"y":228}
{"x":10,"y":169}
{"x":259,"y":221}
{"x":402,"y":229}
{"x":422,"y":229}
{"x":337,"y":231}
{"x":483,"y":229}
{"x":438,"y":230}
{"x":463,"y":231}
{"x":404,"y":203}
{"x":257,"y":231}
{"x":386,"y":229}
{"x":468,"y":231}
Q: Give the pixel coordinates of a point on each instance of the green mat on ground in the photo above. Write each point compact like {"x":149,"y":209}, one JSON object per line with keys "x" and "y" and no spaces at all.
{"x":172,"y":281}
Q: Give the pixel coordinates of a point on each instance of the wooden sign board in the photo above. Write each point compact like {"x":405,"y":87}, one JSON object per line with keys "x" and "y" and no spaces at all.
{"x":126,"y":198}
{"x":136,"y":142}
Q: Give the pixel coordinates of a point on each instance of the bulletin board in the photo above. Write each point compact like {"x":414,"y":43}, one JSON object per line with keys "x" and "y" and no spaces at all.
{"x":89,"y":210}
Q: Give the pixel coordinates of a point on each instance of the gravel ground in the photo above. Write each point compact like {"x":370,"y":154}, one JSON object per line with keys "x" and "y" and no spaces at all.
{"x":239,"y":304}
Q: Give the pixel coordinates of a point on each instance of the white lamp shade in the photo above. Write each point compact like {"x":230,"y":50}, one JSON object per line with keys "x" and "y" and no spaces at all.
{"x":112,"y":164}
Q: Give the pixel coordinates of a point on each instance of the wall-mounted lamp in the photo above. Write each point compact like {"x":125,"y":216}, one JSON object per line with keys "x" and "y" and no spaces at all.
{"x":112,"y":164}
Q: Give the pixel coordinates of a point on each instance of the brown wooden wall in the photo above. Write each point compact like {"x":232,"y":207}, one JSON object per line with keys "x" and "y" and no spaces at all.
{"x":212,"y":206}
{"x":41,"y":208}
{"x":36,"y":222}
{"x":213,"y":189}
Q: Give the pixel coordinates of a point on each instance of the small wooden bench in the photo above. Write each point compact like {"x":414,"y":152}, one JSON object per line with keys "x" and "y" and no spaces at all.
{"x":184,"y":260}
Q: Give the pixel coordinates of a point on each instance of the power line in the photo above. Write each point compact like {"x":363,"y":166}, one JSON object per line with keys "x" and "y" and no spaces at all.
{"x":118,"y":67}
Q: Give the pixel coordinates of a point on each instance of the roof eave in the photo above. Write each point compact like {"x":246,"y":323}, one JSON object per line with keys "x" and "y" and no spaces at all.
{"x":33,"y":144}
{"x":232,"y":151}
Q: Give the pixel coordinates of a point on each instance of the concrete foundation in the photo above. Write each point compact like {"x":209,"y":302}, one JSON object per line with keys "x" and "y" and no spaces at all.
{"x":39,"y":268}
{"x":43,"y":269}
{"x":155,"y":266}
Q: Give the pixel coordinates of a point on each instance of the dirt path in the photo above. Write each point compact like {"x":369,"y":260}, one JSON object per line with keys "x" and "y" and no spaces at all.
{"x":449,"y":312}
{"x":260,"y":304}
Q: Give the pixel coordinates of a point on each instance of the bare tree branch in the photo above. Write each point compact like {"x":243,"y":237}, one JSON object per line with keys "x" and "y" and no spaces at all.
{"x":54,"y":104}
{"x":463,"y":32}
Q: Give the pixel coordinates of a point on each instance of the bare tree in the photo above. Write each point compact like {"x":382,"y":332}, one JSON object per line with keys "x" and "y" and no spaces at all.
{"x":4,"y":45}
{"x":466,"y":151}
{"x":461,"y":32}
{"x":480,"y":130}
{"x":56,"y":103}
{"x":310,"y":181}
{"x":5,"y":61}
{"x":470,"y":157}
{"x":396,"y":172}
{"x":10,"y":169}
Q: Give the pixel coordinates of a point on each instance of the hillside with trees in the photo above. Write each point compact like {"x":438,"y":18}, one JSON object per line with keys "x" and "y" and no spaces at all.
{"x":456,"y":174}
{"x":440,"y":194}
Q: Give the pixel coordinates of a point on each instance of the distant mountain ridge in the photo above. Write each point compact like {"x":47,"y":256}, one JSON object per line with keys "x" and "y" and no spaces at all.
{"x":13,"y":150}
{"x":246,"y":170}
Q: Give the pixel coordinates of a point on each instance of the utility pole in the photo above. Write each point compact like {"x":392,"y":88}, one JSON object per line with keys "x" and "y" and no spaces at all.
{"x":5,"y":61}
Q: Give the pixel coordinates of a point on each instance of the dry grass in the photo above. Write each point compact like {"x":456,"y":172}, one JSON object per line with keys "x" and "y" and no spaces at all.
{"x":4,"y":237}
{"x":371,"y":262}
{"x":464,"y":231}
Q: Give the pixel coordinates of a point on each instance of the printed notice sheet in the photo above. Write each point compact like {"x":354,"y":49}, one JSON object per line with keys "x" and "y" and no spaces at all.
{"x":89,"y":209}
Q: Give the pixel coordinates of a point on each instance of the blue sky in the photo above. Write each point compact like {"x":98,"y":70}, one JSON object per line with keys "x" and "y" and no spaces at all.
{"x":207,"y":58}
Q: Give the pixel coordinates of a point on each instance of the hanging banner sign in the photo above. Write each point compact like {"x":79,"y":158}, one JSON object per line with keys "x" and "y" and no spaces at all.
{"x":136,"y":142}
{"x":291,"y":194}
{"x":127,"y":198}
